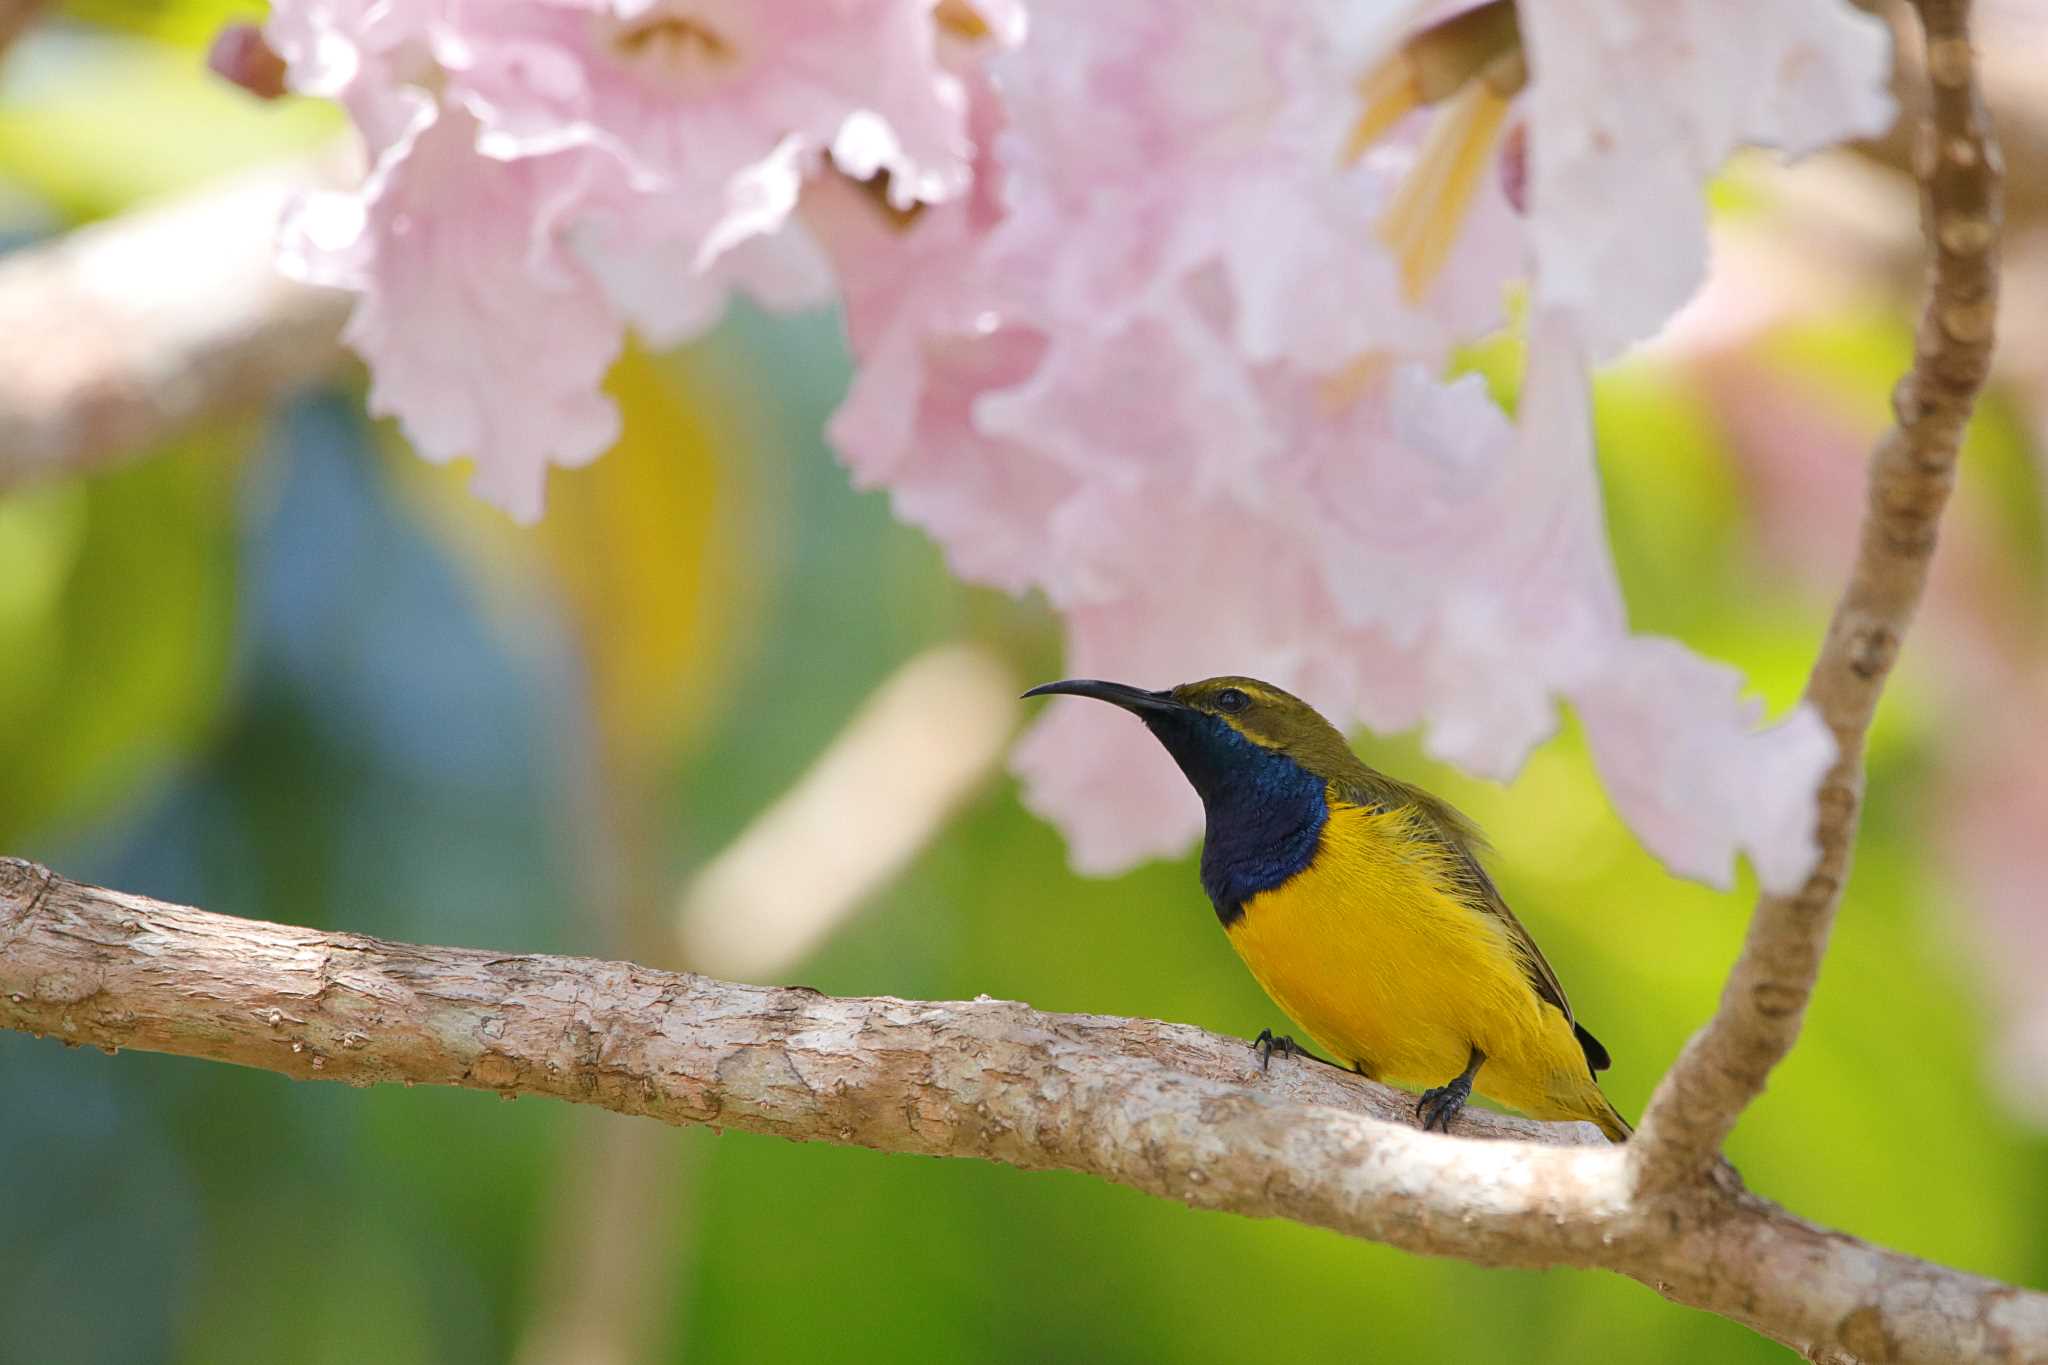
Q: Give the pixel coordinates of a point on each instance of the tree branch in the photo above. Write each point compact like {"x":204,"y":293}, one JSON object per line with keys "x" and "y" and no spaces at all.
{"x":2009,"y":69}
{"x":1724,"y":1067}
{"x":116,"y":336}
{"x":1163,"y":1108}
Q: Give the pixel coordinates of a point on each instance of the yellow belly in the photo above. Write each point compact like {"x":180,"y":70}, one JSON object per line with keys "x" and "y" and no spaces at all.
{"x":1389,"y":971}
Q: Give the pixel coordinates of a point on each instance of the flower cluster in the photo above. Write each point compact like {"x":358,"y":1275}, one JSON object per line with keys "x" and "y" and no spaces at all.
{"x":544,"y":172}
{"x":1154,"y":307}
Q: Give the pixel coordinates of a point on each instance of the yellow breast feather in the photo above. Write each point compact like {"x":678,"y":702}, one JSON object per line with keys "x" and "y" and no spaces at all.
{"x":1377,"y":952}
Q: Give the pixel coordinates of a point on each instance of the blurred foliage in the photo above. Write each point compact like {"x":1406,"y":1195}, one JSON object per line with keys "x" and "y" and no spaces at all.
{"x":91,"y":121}
{"x":115,"y":598}
{"x":650,"y":553}
{"x":170,"y":24}
{"x":648,"y":547}
{"x":295,"y":674}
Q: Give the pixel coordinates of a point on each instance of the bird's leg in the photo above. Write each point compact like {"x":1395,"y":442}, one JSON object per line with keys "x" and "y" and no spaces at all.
{"x":1266,"y":1045}
{"x":1440,"y":1105}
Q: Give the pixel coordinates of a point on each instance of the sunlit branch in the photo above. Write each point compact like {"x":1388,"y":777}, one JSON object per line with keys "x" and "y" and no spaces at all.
{"x":1163,"y":1108}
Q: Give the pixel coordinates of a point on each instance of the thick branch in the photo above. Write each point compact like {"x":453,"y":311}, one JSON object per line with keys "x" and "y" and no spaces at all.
{"x":1724,"y":1068}
{"x":119,"y":335}
{"x":1163,"y":1108}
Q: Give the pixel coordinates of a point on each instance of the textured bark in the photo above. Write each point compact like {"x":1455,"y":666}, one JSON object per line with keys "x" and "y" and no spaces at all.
{"x":1163,"y":1108}
{"x":1725,"y":1066}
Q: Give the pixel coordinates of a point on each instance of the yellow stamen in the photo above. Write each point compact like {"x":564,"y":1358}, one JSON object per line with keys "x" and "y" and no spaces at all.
{"x":1422,"y":223}
{"x":1342,"y":388}
{"x":960,"y":19}
{"x":876,"y":190}
{"x":676,"y":50}
{"x":672,"y":38}
{"x":1444,"y":56}
{"x":1390,"y":94}
{"x":1434,"y":65}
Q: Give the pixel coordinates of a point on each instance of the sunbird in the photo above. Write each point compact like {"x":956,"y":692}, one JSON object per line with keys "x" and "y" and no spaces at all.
{"x":1359,"y":903}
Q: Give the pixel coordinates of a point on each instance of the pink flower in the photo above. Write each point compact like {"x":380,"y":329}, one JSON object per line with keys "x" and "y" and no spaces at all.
{"x":582,"y":165}
{"x":918,"y":314}
{"x":1689,"y":764}
{"x":1127,"y":330}
{"x":1157,"y":138}
{"x":1472,"y":616}
{"x":1214,"y":453}
{"x":483,"y":333}
{"x":1616,"y":168}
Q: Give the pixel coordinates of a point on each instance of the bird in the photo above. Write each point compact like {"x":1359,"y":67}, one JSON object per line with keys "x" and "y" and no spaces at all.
{"x":1360,"y":904}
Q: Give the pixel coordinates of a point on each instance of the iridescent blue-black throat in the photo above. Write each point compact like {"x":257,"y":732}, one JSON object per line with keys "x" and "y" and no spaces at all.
{"x":1265,"y":811}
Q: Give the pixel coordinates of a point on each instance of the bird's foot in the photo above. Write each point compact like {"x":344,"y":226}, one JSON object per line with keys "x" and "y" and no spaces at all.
{"x":1439,"y":1105}
{"x":1266,"y":1045}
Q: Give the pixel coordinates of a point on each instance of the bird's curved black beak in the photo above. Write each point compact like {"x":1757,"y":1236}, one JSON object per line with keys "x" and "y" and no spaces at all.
{"x":1133,"y":699}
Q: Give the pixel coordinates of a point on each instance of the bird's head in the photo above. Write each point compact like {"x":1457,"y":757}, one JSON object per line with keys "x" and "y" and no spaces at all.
{"x":1223,"y":730}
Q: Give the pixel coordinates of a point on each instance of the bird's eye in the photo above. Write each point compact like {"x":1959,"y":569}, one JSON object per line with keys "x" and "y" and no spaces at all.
{"x":1232,"y":700}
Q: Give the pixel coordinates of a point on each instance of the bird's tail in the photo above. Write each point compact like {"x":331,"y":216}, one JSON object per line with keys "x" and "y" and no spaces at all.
{"x":1610,"y":1120}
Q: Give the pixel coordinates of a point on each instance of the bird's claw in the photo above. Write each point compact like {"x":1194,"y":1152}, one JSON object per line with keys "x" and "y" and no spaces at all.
{"x":1440,"y":1104}
{"x":1266,"y":1044}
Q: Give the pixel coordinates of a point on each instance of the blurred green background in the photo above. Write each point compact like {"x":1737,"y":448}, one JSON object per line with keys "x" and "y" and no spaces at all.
{"x":280,"y":669}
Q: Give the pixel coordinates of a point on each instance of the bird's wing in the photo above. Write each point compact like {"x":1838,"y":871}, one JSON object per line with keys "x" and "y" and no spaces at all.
{"x":1489,"y":899}
{"x":1462,"y":841}
{"x":1460,"y":837}
{"x":1535,"y":965}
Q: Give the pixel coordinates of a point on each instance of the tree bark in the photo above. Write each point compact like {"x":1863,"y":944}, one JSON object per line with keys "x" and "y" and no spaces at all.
{"x":1163,"y":1108}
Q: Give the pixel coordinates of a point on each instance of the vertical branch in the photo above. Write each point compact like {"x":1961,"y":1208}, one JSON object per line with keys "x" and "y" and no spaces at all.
{"x":1726,"y":1064}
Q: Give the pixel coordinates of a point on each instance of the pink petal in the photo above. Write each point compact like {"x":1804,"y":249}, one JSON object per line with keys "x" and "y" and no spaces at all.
{"x":482,"y":339}
{"x":1698,"y":778}
{"x":1618,"y":167}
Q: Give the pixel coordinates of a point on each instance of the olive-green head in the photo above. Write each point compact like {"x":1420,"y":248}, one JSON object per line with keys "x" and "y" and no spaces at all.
{"x":1204,"y":725}
{"x":1269,"y":717}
